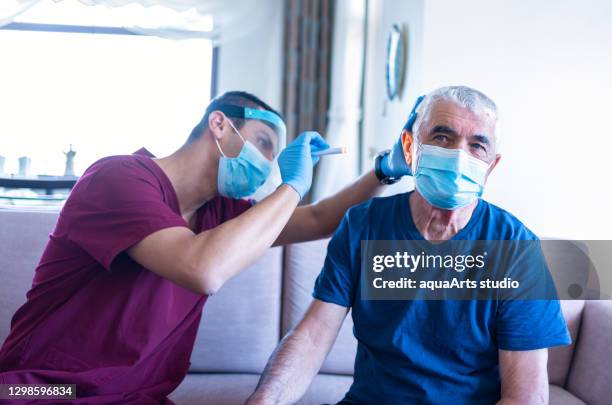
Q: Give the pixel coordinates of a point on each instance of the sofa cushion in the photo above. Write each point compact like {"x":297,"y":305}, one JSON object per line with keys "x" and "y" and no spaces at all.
{"x":218,"y":389}
{"x":326,"y":389}
{"x":559,"y":396}
{"x":23,"y":237}
{"x":234,"y":389}
{"x":240,"y":325}
{"x":590,"y":377}
{"x":303,"y":262}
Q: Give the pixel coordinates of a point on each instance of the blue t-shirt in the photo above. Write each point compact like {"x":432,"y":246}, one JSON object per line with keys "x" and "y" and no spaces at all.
{"x":437,"y":352}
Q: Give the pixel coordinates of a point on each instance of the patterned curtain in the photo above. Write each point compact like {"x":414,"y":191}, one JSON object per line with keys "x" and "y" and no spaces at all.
{"x":307,"y":55}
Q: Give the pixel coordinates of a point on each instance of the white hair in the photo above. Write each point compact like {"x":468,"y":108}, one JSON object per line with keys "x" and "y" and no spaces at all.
{"x":467,"y":97}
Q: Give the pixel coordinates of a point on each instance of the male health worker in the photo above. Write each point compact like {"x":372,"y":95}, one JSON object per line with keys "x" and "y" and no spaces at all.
{"x":141,"y":242}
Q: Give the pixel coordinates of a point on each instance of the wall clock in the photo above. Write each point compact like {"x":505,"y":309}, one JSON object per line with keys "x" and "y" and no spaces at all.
{"x":396,"y":58}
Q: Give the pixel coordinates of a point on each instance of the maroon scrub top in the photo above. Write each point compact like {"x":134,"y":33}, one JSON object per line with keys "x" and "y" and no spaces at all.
{"x":96,"y":318}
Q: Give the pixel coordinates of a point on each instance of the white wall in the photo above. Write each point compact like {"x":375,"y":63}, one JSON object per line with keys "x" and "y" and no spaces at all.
{"x":253,"y":62}
{"x":548,"y":65}
{"x":384,"y":119}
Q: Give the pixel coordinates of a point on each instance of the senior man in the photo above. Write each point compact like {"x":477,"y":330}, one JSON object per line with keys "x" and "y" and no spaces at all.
{"x":418,"y":351}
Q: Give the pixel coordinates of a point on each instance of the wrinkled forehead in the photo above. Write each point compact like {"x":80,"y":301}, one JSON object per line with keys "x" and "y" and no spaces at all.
{"x":464,"y":121}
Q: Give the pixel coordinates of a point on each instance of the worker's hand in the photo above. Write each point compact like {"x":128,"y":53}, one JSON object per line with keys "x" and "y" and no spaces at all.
{"x":394,"y":163}
{"x":296,"y":161}
{"x":397,"y":162}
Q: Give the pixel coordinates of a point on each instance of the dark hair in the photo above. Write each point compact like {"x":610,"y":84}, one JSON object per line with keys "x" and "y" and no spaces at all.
{"x":238,"y":98}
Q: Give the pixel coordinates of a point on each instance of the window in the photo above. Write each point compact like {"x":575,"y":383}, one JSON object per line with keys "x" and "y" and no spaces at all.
{"x":70,"y":77}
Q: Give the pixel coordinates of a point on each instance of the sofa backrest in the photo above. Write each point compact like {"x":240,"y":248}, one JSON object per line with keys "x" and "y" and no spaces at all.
{"x":23,"y":236}
{"x":241,"y":324}
{"x":303,"y":262}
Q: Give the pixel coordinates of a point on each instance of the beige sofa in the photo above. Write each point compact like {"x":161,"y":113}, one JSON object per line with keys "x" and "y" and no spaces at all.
{"x":243,"y":323}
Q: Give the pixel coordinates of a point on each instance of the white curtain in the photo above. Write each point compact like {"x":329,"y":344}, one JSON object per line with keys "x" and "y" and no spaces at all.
{"x":345,"y":113}
{"x":9,"y":9}
{"x":218,"y":20}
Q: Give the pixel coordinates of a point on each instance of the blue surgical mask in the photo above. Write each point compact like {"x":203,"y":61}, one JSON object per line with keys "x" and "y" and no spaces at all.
{"x":242,"y":175}
{"x":449,"y":178}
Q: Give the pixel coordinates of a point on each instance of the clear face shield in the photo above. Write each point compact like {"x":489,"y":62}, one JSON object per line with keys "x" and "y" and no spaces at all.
{"x":272,"y":121}
{"x":268,"y":118}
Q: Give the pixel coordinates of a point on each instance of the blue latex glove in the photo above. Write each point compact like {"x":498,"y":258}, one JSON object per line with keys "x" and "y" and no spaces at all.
{"x":296,"y":161}
{"x":394,"y":164}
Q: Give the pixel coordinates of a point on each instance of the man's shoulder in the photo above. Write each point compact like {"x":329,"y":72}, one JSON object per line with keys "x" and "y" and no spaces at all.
{"x":118,"y":169}
{"x":375,"y":206}
{"x":119,"y":162}
{"x":114,"y":179}
{"x":505,"y":224}
{"x":496,"y":222}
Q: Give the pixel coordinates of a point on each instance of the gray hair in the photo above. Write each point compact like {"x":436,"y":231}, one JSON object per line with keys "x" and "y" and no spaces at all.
{"x":467,"y":97}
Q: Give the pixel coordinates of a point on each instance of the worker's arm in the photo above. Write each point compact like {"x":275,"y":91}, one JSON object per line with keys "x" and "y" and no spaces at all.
{"x":204,"y":262}
{"x":319,"y":220}
{"x":299,"y":356}
{"x":524,"y":377}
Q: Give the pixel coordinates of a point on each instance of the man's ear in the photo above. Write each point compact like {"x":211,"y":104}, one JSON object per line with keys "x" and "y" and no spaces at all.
{"x":407,"y":145}
{"x":216,"y":124}
{"x":494,"y":164}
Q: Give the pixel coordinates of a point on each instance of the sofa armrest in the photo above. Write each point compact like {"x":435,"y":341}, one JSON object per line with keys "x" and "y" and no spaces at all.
{"x":590,"y":377}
